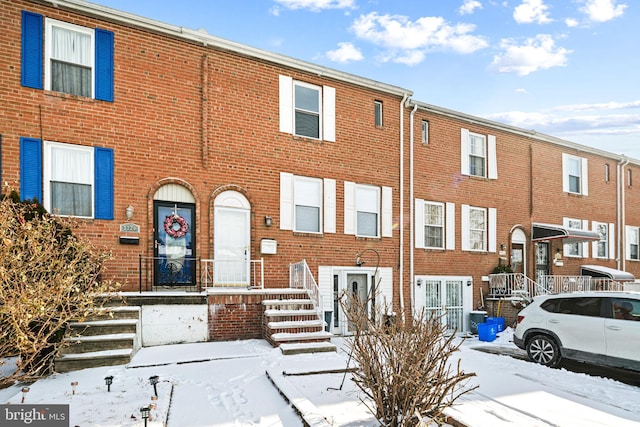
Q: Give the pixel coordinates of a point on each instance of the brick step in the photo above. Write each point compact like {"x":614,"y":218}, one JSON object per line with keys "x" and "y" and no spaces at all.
{"x":77,"y":361}
{"x":307,"y":347}
{"x":286,"y":313}
{"x":93,"y":343}
{"x":288,"y":304}
{"x":104,"y":327}
{"x":316,"y":323}
{"x":283,"y":337}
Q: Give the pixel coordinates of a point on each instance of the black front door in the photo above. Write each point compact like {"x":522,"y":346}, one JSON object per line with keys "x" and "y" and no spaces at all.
{"x":174,"y":248}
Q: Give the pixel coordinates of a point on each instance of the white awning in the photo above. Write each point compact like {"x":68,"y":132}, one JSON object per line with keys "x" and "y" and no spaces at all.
{"x":542,"y":232}
{"x":606,"y":272}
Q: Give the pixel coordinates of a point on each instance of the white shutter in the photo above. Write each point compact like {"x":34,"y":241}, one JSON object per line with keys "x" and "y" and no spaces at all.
{"x":612,"y":241}
{"x":325,"y":286}
{"x":491,"y":229}
{"x":585,"y":245}
{"x":451,"y":226}
{"x":349,"y":207}
{"x":286,"y":104}
{"x":385,"y":290}
{"x":465,"y":227}
{"x":565,"y":172}
{"x":492,"y":157}
{"x":329,"y":205}
{"x":627,"y":244}
{"x":584,"y":178}
{"x":328,"y":113}
{"x":594,"y":243}
{"x":387,"y":212}
{"x":464,"y":149}
{"x":286,"y":201}
{"x":419,"y":223}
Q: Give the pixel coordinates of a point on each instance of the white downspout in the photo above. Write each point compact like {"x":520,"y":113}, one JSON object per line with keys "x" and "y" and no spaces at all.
{"x":620,"y":207}
{"x":411,"y":209}
{"x":401,"y":221}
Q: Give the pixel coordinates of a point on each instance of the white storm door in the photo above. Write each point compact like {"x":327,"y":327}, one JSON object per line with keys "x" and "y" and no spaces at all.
{"x":231,"y":255}
{"x":445,"y":296}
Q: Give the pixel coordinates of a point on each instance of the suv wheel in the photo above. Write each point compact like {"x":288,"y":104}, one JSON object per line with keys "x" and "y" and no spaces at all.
{"x":543,"y":350}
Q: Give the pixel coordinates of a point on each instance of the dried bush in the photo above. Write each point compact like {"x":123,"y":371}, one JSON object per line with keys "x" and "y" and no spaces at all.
{"x":403,"y":366}
{"x":48,"y":278}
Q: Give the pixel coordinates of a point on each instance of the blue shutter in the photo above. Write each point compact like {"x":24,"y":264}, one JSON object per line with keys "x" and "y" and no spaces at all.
{"x":31,"y":50}
{"x":30,"y":169}
{"x":103,"y":183}
{"x":104,"y":65}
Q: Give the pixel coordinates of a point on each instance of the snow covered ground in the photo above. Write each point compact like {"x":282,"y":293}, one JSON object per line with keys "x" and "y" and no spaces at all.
{"x":230,"y":384}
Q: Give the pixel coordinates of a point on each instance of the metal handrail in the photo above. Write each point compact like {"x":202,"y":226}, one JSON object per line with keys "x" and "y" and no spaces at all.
{"x":508,"y":285}
{"x":511,"y":285}
{"x":300,"y":277}
{"x":231,"y":277}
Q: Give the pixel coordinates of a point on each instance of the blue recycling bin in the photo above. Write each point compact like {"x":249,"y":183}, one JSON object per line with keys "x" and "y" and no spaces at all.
{"x":498,"y":321}
{"x":487,"y":332}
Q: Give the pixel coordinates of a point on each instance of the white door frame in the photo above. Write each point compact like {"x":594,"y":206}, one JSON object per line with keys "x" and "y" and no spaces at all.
{"x":343,"y":324}
{"x":236,"y":203}
{"x":467,"y":294}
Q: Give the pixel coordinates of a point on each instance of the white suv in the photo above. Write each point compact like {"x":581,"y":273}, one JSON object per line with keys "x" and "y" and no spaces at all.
{"x":602,"y":328}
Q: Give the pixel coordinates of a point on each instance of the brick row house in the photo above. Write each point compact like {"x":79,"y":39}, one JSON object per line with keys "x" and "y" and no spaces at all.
{"x":206,"y":165}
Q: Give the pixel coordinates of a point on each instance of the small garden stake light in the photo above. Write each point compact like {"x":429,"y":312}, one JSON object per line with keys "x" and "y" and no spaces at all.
{"x":144,"y":413}
{"x":153,"y":380}
{"x":25,"y":390}
{"x":74,"y":384}
{"x":108,"y":381}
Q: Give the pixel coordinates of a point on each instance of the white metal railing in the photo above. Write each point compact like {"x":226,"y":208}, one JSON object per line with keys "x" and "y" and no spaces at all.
{"x":227,"y":273}
{"x":300,"y":277}
{"x":509,"y":285}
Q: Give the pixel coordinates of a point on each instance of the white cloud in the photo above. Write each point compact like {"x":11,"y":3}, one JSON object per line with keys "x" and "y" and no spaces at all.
{"x":469,"y":6}
{"x":317,"y":5}
{"x":571,"y":22}
{"x":407,"y":41}
{"x":611,"y":105}
{"x":602,"y":10}
{"x":535,"y":54}
{"x":521,"y":90}
{"x":345,"y":52}
{"x":531,"y":11}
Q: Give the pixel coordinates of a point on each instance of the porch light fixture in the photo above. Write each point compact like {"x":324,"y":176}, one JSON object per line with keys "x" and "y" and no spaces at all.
{"x":267,"y":221}
{"x":129,"y":212}
{"x":153,"y":380}
{"x":145,"y":411}
{"x":108,"y":381}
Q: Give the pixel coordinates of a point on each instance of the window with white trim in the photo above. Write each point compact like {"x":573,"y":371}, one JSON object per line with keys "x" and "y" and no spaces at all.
{"x":69,"y":58}
{"x":435,"y":225}
{"x":574,"y":249}
{"x":601,"y":247}
{"x":633,"y":243}
{"x":574,"y":175}
{"x":307,"y":205}
{"x":306,"y":109}
{"x":629,"y":178}
{"x":367,"y":210}
{"x":425,"y":131}
{"x":479,"y":228}
{"x":307,"y":195}
{"x":478,"y":154}
{"x":377,"y":113}
{"x":68,"y":179}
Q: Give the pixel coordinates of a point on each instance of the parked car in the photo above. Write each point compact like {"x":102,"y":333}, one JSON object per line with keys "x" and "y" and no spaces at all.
{"x":602,"y":328}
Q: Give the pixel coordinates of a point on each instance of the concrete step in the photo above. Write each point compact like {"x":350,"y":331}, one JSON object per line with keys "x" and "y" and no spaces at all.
{"x":77,"y":361}
{"x":93,"y":343}
{"x":104,"y":327}
{"x":308,"y":347}
{"x":112,"y":313}
{"x":287,"y":324}
{"x":288,"y":304}
{"x":301,"y":336}
{"x":290,"y":313}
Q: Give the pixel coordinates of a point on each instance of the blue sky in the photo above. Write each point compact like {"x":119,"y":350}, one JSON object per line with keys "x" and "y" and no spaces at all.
{"x":568,"y":68}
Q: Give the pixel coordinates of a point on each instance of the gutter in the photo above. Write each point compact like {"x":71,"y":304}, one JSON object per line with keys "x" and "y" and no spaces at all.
{"x":620,"y":215}
{"x":411,"y":211}
{"x":401,"y":221}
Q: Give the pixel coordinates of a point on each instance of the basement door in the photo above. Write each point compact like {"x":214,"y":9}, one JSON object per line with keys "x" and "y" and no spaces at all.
{"x":174,"y":254}
{"x":444,"y":297}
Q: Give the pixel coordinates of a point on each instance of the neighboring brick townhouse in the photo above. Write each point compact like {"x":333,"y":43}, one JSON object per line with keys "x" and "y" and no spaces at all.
{"x":201,"y":162}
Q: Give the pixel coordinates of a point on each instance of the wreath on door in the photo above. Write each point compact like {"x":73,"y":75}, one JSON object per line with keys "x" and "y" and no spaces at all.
{"x":175,"y":226}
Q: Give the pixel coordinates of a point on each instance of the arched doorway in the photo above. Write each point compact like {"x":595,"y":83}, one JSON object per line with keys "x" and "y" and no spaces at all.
{"x":174,"y":237}
{"x":519,"y":251}
{"x":231,"y":239}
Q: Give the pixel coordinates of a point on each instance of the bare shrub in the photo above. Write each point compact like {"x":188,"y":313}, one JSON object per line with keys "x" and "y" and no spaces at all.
{"x":403,"y":366}
{"x":48,"y":278}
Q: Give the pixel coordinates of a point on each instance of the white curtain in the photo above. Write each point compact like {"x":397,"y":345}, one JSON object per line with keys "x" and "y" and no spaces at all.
{"x":71,"y":61}
{"x":71,"y":181}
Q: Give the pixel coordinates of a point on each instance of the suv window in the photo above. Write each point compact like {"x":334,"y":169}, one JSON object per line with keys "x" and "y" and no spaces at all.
{"x":584,"y":306}
{"x":625,"y":309}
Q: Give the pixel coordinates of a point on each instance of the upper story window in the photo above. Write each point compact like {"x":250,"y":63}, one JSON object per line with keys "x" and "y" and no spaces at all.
{"x":629,"y":178}
{"x":377,"y":113}
{"x":78,"y":60}
{"x":70,"y":179}
{"x":435,"y":225}
{"x":633,"y":243}
{"x":307,"y":204}
{"x":367,"y":210}
{"x":69,"y":58}
{"x":307,"y":110}
{"x":578,"y":249}
{"x":478,"y":229}
{"x":425,"y":132}
{"x":574,"y":175}
{"x":478,"y":155}
{"x":601,"y":247}
{"x":606,"y":173}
